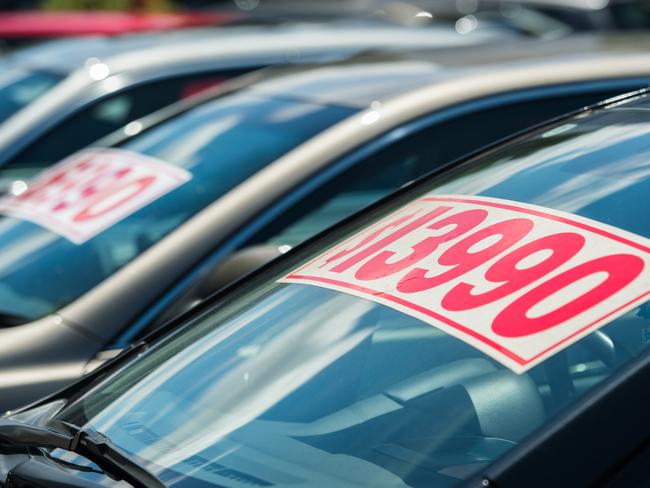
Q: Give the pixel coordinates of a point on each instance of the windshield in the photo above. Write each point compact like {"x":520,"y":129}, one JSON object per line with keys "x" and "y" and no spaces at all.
{"x":19,"y":87}
{"x":313,"y":384}
{"x":191,"y":159}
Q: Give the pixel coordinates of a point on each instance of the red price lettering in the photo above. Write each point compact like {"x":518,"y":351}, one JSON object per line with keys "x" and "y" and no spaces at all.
{"x":380,"y":244}
{"x":509,"y":232}
{"x":368,"y":239}
{"x":58,"y":181}
{"x":563,"y":247}
{"x":621,"y":270}
{"x":89,"y":186}
{"x":462,"y":222}
{"x":68,"y":187}
{"x":113,"y":197}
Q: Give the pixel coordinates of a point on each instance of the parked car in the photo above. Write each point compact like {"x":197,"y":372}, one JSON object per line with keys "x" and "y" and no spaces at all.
{"x":62,"y":96}
{"x":115,"y":241}
{"x":474,"y":328}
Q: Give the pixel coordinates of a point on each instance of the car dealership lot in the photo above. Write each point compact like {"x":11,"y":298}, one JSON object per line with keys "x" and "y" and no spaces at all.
{"x":361,"y":244}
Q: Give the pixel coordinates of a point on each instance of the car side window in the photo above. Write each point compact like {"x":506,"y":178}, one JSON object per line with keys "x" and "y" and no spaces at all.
{"x":106,"y":115}
{"x":411,"y":157}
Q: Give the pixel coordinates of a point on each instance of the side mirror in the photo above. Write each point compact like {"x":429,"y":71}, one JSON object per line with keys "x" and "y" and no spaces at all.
{"x":235,"y":266}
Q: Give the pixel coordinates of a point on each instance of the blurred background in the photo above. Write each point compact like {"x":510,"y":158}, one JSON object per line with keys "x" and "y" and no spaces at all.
{"x":27,"y":21}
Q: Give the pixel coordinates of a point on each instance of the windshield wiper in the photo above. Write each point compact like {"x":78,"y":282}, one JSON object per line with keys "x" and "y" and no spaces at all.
{"x":93,"y":446}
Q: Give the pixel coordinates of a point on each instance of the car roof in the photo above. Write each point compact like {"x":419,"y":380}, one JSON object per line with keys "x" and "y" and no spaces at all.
{"x":377,"y":78}
{"x":68,"y":54}
{"x":147,"y":51}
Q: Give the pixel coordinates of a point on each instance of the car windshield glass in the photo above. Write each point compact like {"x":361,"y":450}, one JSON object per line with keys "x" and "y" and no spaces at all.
{"x":317,"y":384}
{"x":19,"y":87}
{"x":196,"y":156}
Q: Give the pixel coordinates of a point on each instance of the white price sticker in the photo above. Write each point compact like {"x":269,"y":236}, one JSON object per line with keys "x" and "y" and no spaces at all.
{"x":516,"y":281}
{"x":92,"y":190}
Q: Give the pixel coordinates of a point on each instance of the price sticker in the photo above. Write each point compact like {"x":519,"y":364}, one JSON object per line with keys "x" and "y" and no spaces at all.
{"x":92,"y":190}
{"x":518,"y":282}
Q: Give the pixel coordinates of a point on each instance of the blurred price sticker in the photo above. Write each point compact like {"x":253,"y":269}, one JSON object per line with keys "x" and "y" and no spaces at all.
{"x":516,"y":281}
{"x":92,"y":190}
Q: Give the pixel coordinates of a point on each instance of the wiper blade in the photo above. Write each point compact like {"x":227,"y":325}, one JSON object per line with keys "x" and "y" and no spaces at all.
{"x":93,"y":446}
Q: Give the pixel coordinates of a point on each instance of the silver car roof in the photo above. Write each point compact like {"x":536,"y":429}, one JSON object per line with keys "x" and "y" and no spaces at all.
{"x":150,"y":50}
{"x":376,"y":78}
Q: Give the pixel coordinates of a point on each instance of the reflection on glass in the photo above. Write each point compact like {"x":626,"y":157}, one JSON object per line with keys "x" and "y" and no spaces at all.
{"x":20,"y":87}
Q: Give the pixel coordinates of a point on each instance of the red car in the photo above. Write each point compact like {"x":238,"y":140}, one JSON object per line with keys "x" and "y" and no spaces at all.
{"x":27,"y":26}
